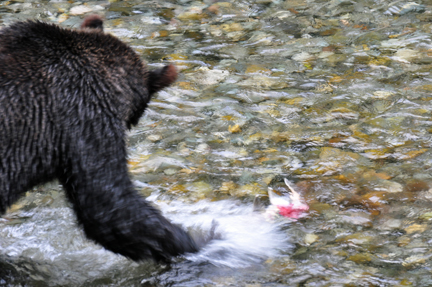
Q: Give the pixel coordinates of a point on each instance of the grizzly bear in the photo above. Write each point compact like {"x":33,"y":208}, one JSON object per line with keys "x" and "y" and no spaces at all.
{"x":67,"y":98}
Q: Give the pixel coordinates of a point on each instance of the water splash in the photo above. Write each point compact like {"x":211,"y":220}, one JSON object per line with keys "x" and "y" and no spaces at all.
{"x":46,"y":245}
{"x":242,"y":237}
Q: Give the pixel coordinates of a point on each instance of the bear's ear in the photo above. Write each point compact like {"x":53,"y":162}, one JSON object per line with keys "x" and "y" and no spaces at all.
{"x":92,"y":22}
{"x":161,"y":78}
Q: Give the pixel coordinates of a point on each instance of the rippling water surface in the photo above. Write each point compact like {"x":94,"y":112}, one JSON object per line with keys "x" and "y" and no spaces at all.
{"x":334,"y":95}
{"x":44,"y":244}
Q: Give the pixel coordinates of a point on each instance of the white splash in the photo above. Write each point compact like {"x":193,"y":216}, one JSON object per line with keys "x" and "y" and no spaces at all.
{"x":47,"y":243}
{"x":243,"y":237}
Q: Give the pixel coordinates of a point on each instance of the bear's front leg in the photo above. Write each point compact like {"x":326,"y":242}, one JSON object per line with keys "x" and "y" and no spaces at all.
{"x":110,"y":210}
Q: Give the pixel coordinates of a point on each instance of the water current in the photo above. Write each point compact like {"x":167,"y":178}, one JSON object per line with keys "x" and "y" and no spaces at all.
{"x":333,"y":95}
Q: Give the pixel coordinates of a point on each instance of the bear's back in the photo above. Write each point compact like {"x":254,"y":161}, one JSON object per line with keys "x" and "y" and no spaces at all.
{"x":66,"y":68}
{"x":34,"y":46}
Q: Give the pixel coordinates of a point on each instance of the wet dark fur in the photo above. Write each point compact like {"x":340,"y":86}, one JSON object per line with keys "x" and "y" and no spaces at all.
{"x":67,"y":98}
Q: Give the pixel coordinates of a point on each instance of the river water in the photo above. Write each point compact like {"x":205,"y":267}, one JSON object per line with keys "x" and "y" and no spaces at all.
{"x":333,"y":95}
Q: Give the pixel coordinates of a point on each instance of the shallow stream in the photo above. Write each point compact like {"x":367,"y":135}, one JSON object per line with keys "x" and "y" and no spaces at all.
{"x":333,"y":95}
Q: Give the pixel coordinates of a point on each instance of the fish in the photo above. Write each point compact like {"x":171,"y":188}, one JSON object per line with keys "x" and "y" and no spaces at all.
{"x":289,"y":205}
